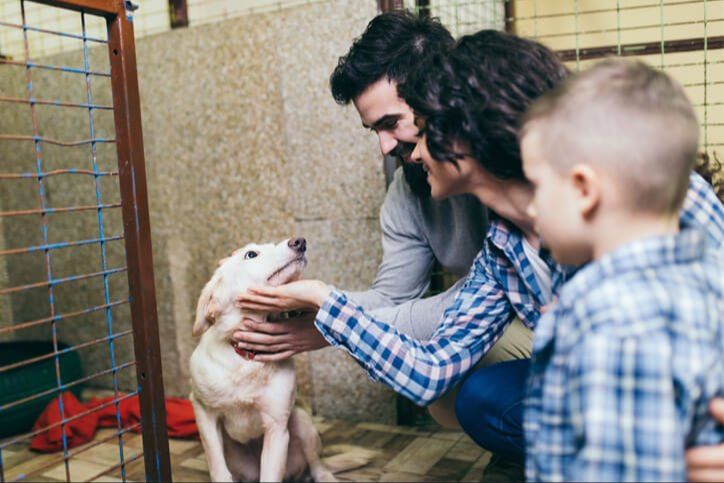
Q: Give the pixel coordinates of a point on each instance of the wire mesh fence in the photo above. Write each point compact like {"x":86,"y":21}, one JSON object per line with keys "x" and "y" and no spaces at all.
{"x":72,"y":316}
{"x":152,"y":17}
{"x":683,"y":37}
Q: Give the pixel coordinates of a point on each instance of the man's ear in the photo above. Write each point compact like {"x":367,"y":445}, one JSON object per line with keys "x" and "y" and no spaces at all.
{"x":587,"y":185}
{"x":206,"y":309}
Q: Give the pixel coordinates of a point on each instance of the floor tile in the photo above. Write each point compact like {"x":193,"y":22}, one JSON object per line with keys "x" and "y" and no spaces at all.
{"x":464,"y":451}
{"x":362,"y":474}
{"x":198,"y":464}
{"x":105,"y":454}
{"x":449,"y":470}
{"x":395,"y":429}
{"x":475,"y":473}
{"x":349,"y":459}
{"x":79,"y":470}
{"x":419,"y":456}
{"x":448,"y":434}
{"x":402,"y":476}
{"x":37,"y":462}
{"x":179,"y":446}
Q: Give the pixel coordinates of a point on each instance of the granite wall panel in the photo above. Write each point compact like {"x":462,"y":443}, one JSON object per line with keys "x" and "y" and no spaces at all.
{"x":345,"y":253}
{"x":213,"y":138}
{"x":327,"y":150}
{"x":336,"y":186}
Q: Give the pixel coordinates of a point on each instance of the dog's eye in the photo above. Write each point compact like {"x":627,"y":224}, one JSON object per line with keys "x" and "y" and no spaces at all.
{"x":250,"y":254}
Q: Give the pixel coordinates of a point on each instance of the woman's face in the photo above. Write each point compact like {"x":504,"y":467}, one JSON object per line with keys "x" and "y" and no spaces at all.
{"x":444,"y":177}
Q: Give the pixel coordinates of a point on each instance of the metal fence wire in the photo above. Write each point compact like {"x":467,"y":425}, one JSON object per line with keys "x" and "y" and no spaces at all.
{"x":77,"y":301}
{"x":152,"y":17}
{"x":683,"y":37}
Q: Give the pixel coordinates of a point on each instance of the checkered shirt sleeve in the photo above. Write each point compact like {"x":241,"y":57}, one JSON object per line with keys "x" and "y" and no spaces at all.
{"x":422,"y":370}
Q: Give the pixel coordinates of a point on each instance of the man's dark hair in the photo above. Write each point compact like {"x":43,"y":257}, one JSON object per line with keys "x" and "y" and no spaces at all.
{"x":477,"y":93}
{"x":393,"y":44}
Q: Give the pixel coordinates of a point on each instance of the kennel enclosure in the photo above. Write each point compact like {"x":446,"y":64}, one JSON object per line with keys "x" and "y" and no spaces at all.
{"x":108,"y":151}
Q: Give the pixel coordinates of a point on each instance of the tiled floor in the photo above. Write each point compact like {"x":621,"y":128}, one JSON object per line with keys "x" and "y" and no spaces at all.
{"x":392,"y":453}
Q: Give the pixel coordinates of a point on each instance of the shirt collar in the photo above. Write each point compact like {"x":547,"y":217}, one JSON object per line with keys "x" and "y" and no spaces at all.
{"x":509,"y":239}
{"x":500,"y":231}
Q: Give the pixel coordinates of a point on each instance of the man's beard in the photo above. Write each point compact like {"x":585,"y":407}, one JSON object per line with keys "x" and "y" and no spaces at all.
{"x":415,"y":175}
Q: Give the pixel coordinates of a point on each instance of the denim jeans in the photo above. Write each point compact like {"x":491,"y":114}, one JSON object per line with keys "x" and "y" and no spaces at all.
{"x":489,"y":407}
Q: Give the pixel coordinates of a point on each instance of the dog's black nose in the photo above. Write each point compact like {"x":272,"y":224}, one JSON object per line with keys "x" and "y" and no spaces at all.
{"x":298,"y":244}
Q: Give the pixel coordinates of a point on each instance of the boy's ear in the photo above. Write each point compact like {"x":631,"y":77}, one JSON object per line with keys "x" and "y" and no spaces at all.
{"x":587,"y":184}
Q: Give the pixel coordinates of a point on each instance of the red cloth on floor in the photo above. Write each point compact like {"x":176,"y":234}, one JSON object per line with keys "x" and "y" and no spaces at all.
{"x":179,"y":420}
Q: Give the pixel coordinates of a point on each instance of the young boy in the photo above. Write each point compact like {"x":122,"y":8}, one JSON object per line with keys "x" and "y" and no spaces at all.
{"x":625,"y":362}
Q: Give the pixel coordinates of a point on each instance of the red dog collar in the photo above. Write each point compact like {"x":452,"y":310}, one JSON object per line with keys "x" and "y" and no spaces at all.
{"x":246,"y":354}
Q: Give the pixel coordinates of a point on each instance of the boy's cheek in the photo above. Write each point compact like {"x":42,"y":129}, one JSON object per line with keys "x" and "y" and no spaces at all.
{"x":556,"y":227}
{"x":551,"y":231}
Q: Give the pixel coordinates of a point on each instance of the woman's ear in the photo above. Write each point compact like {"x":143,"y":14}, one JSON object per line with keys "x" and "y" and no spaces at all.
{"x":206,"y":309}
{"x":587,"y":185}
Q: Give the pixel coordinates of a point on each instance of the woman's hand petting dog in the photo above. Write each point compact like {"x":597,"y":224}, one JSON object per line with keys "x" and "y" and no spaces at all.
{"x":299,"y":295}
{"x":706,"y":463}
{"x":276,"y":341}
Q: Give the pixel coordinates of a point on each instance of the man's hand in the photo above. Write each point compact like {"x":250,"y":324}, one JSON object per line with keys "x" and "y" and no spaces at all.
{"x":302,"y":294}
{"x":706,"y":463}
{"x":276,"y":341}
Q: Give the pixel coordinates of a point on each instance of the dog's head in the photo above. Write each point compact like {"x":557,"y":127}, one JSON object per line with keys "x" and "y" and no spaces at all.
{"x":250,"y":265}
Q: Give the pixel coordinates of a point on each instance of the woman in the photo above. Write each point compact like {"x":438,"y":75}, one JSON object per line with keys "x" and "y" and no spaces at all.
{"x":467,"y":105}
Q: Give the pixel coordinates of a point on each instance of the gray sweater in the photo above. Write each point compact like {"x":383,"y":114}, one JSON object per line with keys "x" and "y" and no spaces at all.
{"x":415,"y":232}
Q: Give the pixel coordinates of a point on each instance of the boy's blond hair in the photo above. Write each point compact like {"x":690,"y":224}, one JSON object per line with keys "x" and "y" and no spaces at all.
{"x":627,"y":118}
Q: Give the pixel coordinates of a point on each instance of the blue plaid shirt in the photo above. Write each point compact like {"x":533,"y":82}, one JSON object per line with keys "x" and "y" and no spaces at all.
{"x":501,"y":285}
{"x":626,"y":362}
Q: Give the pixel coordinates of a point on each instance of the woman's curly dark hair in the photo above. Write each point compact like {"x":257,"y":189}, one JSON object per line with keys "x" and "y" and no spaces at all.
{"x":710,"y":169}
{"x":476,"y":95}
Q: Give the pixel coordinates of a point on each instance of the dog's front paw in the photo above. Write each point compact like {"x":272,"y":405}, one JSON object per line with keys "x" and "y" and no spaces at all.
{"x":324,"y":476}
{"x":222,"y":475}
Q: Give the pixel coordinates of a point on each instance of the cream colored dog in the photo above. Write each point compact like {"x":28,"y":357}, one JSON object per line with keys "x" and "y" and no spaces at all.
{"x":244,"y":409}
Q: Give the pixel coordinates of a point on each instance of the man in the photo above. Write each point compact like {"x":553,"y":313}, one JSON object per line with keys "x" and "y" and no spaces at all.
{"x":416,"y":230}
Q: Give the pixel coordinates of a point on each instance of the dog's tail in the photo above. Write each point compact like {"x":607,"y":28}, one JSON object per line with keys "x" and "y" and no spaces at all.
{"x":340,"y":458}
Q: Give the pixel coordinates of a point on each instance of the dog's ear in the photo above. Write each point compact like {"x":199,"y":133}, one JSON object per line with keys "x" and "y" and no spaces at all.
{"x":206,"y":309}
